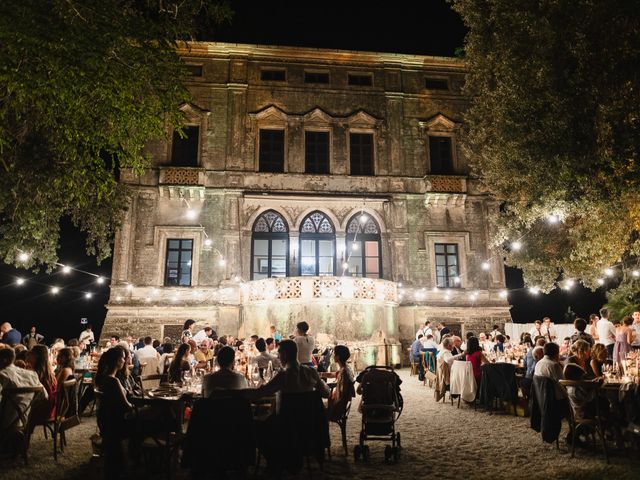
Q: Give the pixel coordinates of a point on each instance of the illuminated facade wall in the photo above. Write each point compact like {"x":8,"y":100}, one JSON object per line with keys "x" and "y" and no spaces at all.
{"x":364,"y":144}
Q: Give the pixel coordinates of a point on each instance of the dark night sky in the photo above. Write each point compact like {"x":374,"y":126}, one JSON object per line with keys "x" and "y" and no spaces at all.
{"x":424,"y":28}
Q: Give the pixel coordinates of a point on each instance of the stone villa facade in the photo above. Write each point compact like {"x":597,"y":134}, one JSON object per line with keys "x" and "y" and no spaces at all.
{"x":309,"y":184}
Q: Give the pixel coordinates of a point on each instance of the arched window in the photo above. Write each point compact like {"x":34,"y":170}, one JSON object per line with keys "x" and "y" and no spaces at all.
{"x":269,"y":246}
{"x":317,"y":245}
{"x":363,"y":249}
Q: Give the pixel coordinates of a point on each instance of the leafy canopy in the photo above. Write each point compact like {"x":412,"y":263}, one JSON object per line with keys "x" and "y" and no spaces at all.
{"x":554,"y":128}
{"x":84,"y":84}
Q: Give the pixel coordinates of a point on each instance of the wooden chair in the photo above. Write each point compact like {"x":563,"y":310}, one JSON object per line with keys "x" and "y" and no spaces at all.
{"x":149,"y":381}
{"x":430,"y":367}
{"x":576,"y":421}
{"x":17,"y":430}
{"x":414,"y":365}
{"x":65,"y":411}
{"x":342,"y":423}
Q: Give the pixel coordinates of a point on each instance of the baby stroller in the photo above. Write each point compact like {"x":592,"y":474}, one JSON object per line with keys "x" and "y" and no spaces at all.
{"x":381,"y":406}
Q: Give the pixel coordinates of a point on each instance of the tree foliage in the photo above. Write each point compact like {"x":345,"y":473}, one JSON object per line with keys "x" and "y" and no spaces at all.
{"x":84,"y":84}
{"x":554,"y":128}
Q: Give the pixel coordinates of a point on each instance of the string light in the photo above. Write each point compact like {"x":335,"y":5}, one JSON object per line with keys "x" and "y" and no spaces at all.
{"x":66,"y":269}
{"x":456,"y":280}
{"x":569,"y":284}
{"x":118,"y":298}
{"x":345,"y":265}
{"x":88,"y":295}
{"x":191,"y":214}
{"x":129,"y":287}
{"x":600,"y":281}
{"x":363,"y":218}
{"x":636,"y":273}
{"x":609,"y":272}
{"x":486,"y":265}
{"x":55,"y":290}
{"x":222,"y":262}
{"x":354,"y":246}
{"x":20,"y":281}
{"x":100,"y":280}
{"x":516,"y":245}
{"x":553,"y":219}
{"x":503,"y":294}
{"x":534,"y":290}
{"x":23,"y":256}
{"x":208,"y":242}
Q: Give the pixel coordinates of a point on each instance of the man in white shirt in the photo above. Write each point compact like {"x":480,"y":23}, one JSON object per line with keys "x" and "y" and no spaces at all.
{"x":149,"y":356}
{"x":495,"y":332}
{"x":549,"y":366}
{"x":203,"y":334}
{"x":548,"y":330}
{"x":606,"y":331}
{"x":445,"y":354}
{"x":87,"y":335}
{"x":536,"y":331}
{"x":429,"y":343}
{"x":12,"y":377}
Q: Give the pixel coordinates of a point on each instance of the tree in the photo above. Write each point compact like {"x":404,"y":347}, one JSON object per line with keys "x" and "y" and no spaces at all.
{"x":84,"y":85}
{"x":553,"y":128}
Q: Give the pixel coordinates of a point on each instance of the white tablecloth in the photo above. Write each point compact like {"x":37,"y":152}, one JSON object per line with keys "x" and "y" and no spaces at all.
{"x":514,"y":330}
{"x":462,"y":381}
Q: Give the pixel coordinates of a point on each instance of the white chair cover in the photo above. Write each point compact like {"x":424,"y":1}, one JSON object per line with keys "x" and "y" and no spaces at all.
{"x":463,"y":382}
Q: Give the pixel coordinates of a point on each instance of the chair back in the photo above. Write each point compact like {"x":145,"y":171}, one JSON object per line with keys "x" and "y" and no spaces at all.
{"x":577,"y":409}
{"x":15,"y":405}
{"x":463,"y":382}
{"x":150,"y":381}
{"x":303,"y":424}
{"x":66,"y":404}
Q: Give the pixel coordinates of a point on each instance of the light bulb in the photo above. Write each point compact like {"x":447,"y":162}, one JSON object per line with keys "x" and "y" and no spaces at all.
{"x":354,"y":246}
{"x":534,"y":290}
{"x":456,"y":280}
{"x":363,"y":219}
{"x":208,"y":242}
{"x":636,"y":273}
{"x":222,"y":262}
{"x":148,"y":300}
{"x":609,"y":272}
{"x":237,"y":279}
{"x":23,"y":256}
{"x":516,"y":245}
{"x":88,"y":295}
{"x":55,"y":290}
{"x":19,"y":281}
{"x":100,"y":280}
{"x":486,"y":266}
{"x":569,"y":283}
{"x":118,"y":298}
{"x":129,"y":287}
{"x":191,"y":214}
{"x":600,"y":281}
{"x":503,"y":294}
{"x":553,"y":219}
{"x":345,"y":265}
{"x":66,"y":269}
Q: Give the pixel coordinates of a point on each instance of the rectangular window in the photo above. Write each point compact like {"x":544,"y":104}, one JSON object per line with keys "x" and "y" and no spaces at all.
{"x":447,"y":267}
{"x":440,"y":155}
{"x":178,"y":263}
{"x":194,"y":70}
{"x":436,"y":84}
{"x":360,"y":79}
{"x":316,"y":152}
{"x":361,"y":153}
{"x":271,"y":151}
{"x":184,"y":148}
{"x":316,"y":77}
{"x":273,"y":75}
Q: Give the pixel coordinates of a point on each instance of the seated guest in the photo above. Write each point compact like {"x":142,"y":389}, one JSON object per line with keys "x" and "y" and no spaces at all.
{"x":580,"y":324}
{"x":9,"y":335}
{"x":549,"y":366}
{"x":225,"y":378}
{"x":457,"y":346}
{"x":474,"y":354}
{"x":271,"y":345}
{"x":532,"y":357}
{"x":445,"y":354}
{"x":428,"y":343}
{"x":12,"y":376}
{"x":416,"y":348}
{"x":485,"y":343}
{"x":179,"y":364}
{"x":204,"y":355}
{"x":263,"y":358}
{"x":165,"y":358}
{"x":467,"y":336}
{"x":564,"y":348}
{"x":580,"y":354}
{"x":499,"y":345}
{"x":525,"y":340}
{"x":114,"y":409}
{"x":65,"y":364}
{"x":599,"y":357}
{"x":125,"y":374}
{"x":343,"y":391}
{"x":149,"y":356}
{"x":582,"y":399}
{"x":38,"y":362}
{"x":294,"y":377}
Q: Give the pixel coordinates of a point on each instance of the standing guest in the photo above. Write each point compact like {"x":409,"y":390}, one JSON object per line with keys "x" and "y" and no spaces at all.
{"x":203,"y":334}
{"x":225,"y":378}
{"x":179,"y":364}
{"x":598,"y":359}
{"x":475,"y":355}
{"x":275,"y":334}
{"x":580,"y":324}
{"x":549,"y":366}
{"x":10,"y":336}
{"x":606,"y":331}
{"x":536,"y":331}
{"x":305,"y":344}
{"x":65,"y":364}
{"x":467,"y":336}
{"x":495,"y":332}
{"x":635,"y":345}
{"x":187,"y":330}
{"x":593,"y":329}
{"x":32,"y":338}
{"x":548,"y":330}
{"x":204,"y":354}
{"x":13,"y":376}
{"x":443,"y":330}
{"x":271,"y":345}
{"x":149,"y":356}
{"x":624,"y":339}
{"x":38,"y":362}
{"x":87,"y":336}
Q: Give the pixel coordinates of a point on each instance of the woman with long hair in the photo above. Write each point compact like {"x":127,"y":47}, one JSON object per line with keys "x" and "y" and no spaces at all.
{"x":38,"y":361}
{"x":187,"y":330}
{"x":180,"y":363}
{"x":476,"y":356}
{"x":65,"y":362}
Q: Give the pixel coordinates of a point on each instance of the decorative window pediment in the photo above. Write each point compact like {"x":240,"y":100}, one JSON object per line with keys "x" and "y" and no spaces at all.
{"x":317,"y":115}
{"x":193,"y":113}
{"x":362,"y":119}
{"x":271,"y":114}
{"x":439,"y":123}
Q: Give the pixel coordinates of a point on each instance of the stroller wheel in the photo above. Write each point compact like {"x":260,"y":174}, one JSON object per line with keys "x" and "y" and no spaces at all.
{"x":398,"y":440}
{"x":395,"y":451}
{"x":357,"y":453}
{"x":366,"y":453}
{"x":387,"y":454}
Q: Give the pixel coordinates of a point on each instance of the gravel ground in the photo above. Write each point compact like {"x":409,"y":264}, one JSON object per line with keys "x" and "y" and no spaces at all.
{"x":439,"y":441}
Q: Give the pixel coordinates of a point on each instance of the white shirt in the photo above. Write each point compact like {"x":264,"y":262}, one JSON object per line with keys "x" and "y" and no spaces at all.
{"x":548,"y":332}
{"x":13,"y":376}
{"x":147,"y":352}
{"x":201,"y":335}
{"x":549,"y":368}
{"x":534,"y":332}
{"x":446,"y":356}
{"x":87,"y":336}
{"x":606,"y":332}
{"x":305,"y":344}
{"x":636,"y":340}
{"x":429,"y":344}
